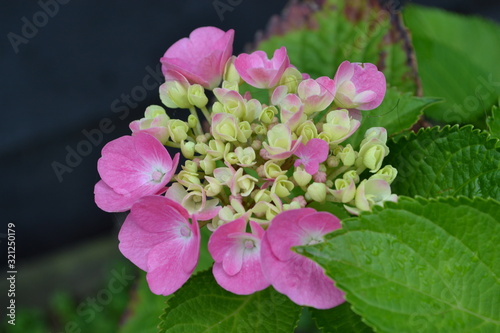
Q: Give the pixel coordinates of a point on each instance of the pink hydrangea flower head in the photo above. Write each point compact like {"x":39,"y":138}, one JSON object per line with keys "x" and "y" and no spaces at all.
{"x":201,"y":58}
{"x":237,"y":266}
{"x":158,"y":238}
{"x":312,"y":154}
{"x":259,"y":71}
{"x":317,"y":94}
{"x":296,"y":276}
{"x":132,"y":167}
{"x":359,"y":86}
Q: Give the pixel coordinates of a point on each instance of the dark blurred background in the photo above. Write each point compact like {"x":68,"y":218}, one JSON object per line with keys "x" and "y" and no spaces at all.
{"x":65,"y":71}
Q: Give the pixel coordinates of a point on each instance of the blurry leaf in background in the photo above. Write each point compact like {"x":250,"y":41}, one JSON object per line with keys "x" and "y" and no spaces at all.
{"x":340,"y":319}
{"x":458,"y":60}
{"x":322,"y":34}
{"x":493,"y":121}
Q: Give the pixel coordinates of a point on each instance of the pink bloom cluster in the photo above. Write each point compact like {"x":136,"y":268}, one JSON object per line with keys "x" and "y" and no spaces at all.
{"x":250,"y":176}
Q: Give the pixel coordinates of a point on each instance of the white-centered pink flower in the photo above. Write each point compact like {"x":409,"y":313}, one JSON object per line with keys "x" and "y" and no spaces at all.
{"x":201,"y":58}
{"x":158,"y":237}
{"x":132,"y":167}
{"x":317,"y":94}
{"x":359,"y":86}
{"x":312,"y":154}
{"x":237,"y":266}
{"x":259,"y":71}
{"x":296,"y":276}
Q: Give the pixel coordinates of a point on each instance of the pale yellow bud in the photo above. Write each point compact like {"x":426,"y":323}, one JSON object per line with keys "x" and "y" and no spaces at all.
{"x":317,"y":192}
{"x":196,"y":96}
{"x":272,"y":170}
{"x":178,"y":130}
{"x":348,"y":155}
{"x":282,"y":186}
{"x":187,"y":149}
{"x":301,"y":177}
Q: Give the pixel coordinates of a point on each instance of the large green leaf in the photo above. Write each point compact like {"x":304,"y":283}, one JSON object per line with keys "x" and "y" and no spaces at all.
{"x":419,"y":265}
{"x":319,"y":39}
{"x":446,"y":162}
{"x":396,"y":113}
{"x":457,"y":59}
{"x":203,"y":306}
{"x":340,"y":319}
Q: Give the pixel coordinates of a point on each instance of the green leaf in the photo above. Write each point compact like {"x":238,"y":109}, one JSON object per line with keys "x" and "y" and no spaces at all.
{"x":334,"y":208}
{"x":458,"y":60}
{"x":493,"y":121}
{"x":419,"y":265}
{"x":340,"y":319}
{"x":358,"y":31}
{"x":396,"y":113}
{"x":203,"y":306}
{"x":446,"y":162}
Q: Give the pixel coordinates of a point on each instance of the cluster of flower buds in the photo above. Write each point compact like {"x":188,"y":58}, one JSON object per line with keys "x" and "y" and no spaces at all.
{"x":252,"y":167}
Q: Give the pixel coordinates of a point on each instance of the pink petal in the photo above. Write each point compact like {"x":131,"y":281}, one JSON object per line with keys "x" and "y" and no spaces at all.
{"x":110,"y":201}
{"x":219,"y":241}
{"x":158,"y":214}
{"x":312,"y":154}
{"x":286,"y":223}
{"x":301,"y":279}
{"x":135,"y":242}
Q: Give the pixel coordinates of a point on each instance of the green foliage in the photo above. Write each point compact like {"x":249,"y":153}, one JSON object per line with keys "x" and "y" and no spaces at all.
{"x":419,"y":265}
{"x":450,"y":161}
{"x":396,"y":113}
{"x":203,"y":306}
{"x":493,"y":121}
{"x":340,"y":319}
{"x":458,"y":60}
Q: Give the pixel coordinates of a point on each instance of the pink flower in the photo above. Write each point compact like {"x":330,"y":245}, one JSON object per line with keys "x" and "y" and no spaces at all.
{"x":311,"y":155}
{"x":258,"y":71}
{"x":158,"y":238}
{"x":132,"y":167}
{"x":317,"y":94}
{"x":236,"y":253}
{"x":359,"y":86}
{"x":298,"y":277}
{"x":201,"y":58}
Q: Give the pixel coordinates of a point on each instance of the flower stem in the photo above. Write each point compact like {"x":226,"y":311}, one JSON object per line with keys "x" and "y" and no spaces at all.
{"x":206,"y":113}
{"x":197,"y":130}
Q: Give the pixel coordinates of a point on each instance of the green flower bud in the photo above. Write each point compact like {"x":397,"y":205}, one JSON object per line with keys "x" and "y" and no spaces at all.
{"x":207,"y":164}
{"x":213,"y":188}
{"x":187,"y":178}
{"x":262,"y":195}
{"x":351,"y":175}
{"x":317,"y":192}
{"x":348,"y":155}
{"x":230,"y":85}
{"x":196,"y":96}
{"x":291,"y":78}
{"x":230,"y":72}
{"x":174,"y":94}
{"x":246,"y":129}
{"x":231,"y":158}
{"x":301,"y":177}
{"x":307,"y":130}
{"x":192,"y":121}
{"x":268,"y":113}
{"x":282,"y":186}
{"x":371,"y":155}
{"x":177,"y":130}
{"x":217,"y":107}
{"x":246,"y":156}
{"x":187,"y":149}
{"x":387,"y":173}
{"x":154,"y":111}
{"x":272,"y":170}
{"x":190,"y":166}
